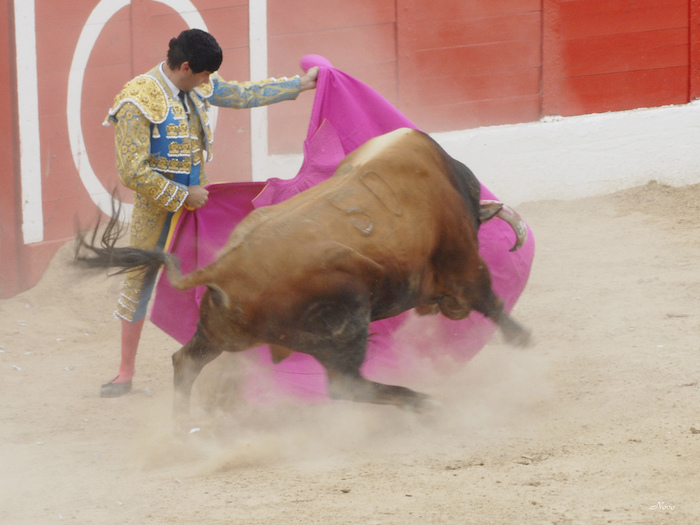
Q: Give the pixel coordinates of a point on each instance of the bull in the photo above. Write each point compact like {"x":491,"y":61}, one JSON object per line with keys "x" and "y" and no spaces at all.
{"x":394,"y":228}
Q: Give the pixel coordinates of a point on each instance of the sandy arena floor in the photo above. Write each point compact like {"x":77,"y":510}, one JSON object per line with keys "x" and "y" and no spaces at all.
{"x":597,"y":422}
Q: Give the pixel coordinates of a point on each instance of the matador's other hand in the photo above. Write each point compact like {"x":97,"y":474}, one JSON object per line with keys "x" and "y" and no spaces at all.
{"x":196,"y":198}
{"x":308,"y":81}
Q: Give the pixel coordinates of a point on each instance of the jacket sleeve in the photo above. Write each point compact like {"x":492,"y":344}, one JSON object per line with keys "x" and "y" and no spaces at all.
{"x":253,"y":94}
{"x":132,"y":136}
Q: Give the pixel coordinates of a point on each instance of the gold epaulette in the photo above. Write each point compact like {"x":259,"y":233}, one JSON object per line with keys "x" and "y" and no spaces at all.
{"x":147,"y":95}
{"x":205,"y":90}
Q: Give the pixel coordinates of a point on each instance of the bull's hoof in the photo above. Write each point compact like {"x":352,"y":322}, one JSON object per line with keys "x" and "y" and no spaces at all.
{"x":421,"y":404}
{"x":513,"y":333}
{"x":521,"y":339}
{"x":113,"y":389}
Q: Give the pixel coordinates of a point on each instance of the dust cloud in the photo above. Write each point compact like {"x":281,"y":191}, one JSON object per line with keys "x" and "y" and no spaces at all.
{"x":595,"y":422}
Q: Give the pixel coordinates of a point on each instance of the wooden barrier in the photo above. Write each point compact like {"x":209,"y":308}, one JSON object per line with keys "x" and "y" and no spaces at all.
{"x":449,"y":65}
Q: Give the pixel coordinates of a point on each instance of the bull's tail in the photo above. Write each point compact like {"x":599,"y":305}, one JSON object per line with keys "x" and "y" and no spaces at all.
{"x":93,"y":251}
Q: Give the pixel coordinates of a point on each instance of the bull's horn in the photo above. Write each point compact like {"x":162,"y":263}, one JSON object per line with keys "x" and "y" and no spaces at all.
{"x":511,"y":216}
{"x":490,"y":209}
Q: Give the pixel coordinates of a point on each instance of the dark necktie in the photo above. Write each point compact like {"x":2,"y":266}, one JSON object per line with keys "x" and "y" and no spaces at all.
{"x":181,"y":95}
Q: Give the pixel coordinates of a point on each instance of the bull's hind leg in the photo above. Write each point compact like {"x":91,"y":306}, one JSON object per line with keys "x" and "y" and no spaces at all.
{"x":342,"y":356}
{"x":187,"y":364}
{"x":344,"y":384}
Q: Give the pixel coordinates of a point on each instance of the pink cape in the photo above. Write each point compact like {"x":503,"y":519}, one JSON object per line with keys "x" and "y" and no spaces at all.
{"x":346,"y":113}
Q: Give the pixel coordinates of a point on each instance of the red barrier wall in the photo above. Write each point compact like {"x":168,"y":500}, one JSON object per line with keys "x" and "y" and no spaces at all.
{"x":11,"y":279}
{"x":358,"y":37}
{"x":447,"y":65}
{"x":694,"y":58}
{"x":610,"y":56}
{"x":470,"y":62}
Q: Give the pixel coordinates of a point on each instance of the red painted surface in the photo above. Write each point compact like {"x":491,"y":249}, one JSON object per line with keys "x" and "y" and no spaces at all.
{"x":592,"y":18}
{"x":609,"y":56}
{"x":469,"y":63}
{"x":624,"y":90}
{"x":552,"y":65}
{"x":447,"y":65}
{"x":694,"y":59}
{"x":358,"y":37}
{"x":11,"y":278}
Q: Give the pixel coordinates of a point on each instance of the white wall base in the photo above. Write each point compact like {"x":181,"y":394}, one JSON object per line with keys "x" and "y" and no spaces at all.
{"x":576,"y":157}
{"x":572,"y":157}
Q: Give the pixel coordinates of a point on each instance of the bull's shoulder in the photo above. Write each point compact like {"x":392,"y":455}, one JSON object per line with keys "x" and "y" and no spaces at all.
{"x":399,"y":140}
{"x":428,"y":150}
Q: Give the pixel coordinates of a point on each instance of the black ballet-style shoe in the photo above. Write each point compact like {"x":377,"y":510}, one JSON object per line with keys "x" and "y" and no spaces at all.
{"x":113,"y":389}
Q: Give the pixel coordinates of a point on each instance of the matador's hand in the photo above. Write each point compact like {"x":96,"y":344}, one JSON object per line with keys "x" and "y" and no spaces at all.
{"x":197,"y":197}
{"x":308,"y":81}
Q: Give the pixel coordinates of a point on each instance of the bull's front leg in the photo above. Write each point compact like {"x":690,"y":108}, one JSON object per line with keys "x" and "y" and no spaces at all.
{"x":492,"y":307}
{"x":187,"y":365}
{"x":513,"y":333}
{"x":350,"y":385}
{"x":478,"y":295}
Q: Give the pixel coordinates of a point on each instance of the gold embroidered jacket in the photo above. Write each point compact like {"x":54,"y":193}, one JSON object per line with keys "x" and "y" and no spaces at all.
{"x":160,"y":152}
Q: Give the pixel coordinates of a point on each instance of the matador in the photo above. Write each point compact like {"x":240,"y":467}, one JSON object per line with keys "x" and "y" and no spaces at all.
{"x":163,"y":140}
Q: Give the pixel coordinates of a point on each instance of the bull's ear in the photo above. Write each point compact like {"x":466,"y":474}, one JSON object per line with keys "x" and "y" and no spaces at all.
{"x":217,"y":296}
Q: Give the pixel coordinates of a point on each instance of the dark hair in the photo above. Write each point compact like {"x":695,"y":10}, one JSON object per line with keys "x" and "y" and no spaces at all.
{"x":196,"y":47}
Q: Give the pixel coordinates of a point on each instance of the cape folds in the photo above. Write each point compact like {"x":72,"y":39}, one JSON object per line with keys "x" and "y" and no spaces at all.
{"x":346,"y":113}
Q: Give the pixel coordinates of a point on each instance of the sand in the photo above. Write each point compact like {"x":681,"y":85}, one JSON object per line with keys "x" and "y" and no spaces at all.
{"x":596,"y":422}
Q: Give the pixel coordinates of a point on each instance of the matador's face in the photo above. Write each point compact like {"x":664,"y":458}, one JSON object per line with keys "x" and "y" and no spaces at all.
{"x":189,"y":79}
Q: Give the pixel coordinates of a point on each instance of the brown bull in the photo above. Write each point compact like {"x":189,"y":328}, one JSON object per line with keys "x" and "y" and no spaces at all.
{"x":395,"y":228}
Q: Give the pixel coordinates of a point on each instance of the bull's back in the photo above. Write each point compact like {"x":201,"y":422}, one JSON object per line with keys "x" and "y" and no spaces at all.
{"x":390,"y":199}
{"x":382,"y":216}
